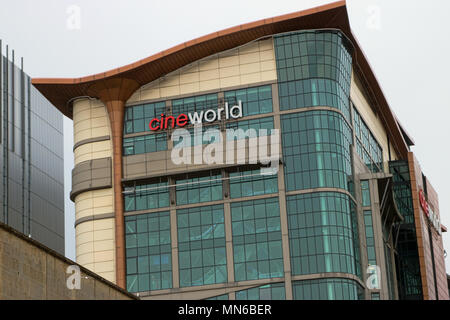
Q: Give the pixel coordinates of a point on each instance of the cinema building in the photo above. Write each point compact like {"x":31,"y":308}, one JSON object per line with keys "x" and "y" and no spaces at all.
{"x":348,"y":215}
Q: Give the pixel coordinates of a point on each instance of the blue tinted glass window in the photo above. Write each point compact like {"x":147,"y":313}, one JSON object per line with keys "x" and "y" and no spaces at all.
{"x":316,"y":150}
{"x":257,"y":243}
{"x":148,"y":252}
{"x":323,"y":234}
{"x":204,"y":187}
{"x":144,"y":144}
{"x":137,"y":118}
{"x":254,"y":100}
{"x":247,"y":183}
{"x":274,"y":291}
{"x":201,"y":246}
{"x":195,"y":104}
{"x":143,"y":196}
{"x":327,"y":289}
{"x":314,"y":69}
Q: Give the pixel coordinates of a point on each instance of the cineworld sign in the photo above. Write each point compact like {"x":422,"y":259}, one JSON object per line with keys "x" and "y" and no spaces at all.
{"x":182,"y":120}
{"x":432,"y":217}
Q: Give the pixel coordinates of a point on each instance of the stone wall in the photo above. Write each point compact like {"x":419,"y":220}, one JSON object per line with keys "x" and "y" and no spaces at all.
{"x":29,"y":270}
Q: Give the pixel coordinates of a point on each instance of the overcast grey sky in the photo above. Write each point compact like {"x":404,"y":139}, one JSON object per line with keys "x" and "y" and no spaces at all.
{"x":406,"y":42}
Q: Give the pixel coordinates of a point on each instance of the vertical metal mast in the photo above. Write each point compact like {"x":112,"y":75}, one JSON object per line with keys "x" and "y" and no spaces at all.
{"x":5,"y":135}
{"x":22,"y":144}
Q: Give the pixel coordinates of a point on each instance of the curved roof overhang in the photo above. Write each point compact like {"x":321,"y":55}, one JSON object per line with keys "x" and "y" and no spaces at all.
{"x":61,"y":92}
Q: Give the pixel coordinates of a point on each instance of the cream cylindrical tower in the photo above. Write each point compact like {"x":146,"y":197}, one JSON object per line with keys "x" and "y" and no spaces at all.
{"x":94,"y":209}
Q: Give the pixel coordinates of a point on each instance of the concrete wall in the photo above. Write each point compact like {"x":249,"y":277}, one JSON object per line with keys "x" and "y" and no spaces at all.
{"x":29,"y":270}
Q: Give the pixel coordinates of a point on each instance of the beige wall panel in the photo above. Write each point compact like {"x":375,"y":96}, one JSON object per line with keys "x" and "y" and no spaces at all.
{"x":370,"y":118}
{"x":249,"y":58}
{"x":268,"y":75}
{"x":103,"y":235}
{"x":95,"y":246}
{"x":209,"y":85}
{"x":249,"y":64}
{"x":83,"y":237}
{"x":170,"y":91}
{"x":104,"y":256}
{"x":150,"y":94}
{"x":103,"y":245}
{"x":94,"y":202}
{"x":89,"y":266}
{"x":95,"y":239}
{"x":231,"y":71}
{"x":250,"y":48}
{"x":102,"y":267}
{"x":268,"y":55}
{"x":212,"y":64}
{"x":189,"y":88}
{"x":85,"y":249}
{"x":189,"y":78}
{"x":267,"y":65}
{"x":110,"y":276}
{"x":265,"y":45}
{"x":103,"y":224}
{"x":250,"y":78}
{"x":170,"y":81}
{"x":88,"y":226}
{"x":230,"y":82}
{"x":254,"y":67}
{"x":87,"y":258}
{"x":91,"y":151}
{"x":90,"y":119}
{"x":209,"y":74}
{"x":229,"y":61}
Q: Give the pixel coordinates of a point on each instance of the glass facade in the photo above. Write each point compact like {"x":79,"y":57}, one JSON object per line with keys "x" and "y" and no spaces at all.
{"x":375,"y":296}
{"x":257,"y":244}
{"x":407,"y":259}
{"x":316,"y":150}
{"x":365,"y":191}
{"x":370,"y":240}
{"x":268,"y":292}
{"x":221,"y":297}
{"x":199,"y":188}
{"x":256,"y":100}
{"x":248,"y":183}
{"x":201,"y":246}
{"x":194,"y":104}
{"x":144,"y":144}
{"x":314,"y":69}
{"x":137,"y":118}
{"x":402,"y":189}
{"x":196,"y":138}
{"x":367,"y":146}
{"x":315,"y":195}
{"x":256,"y":124}
{"x":327,"y":289}
{"x":322,"y":238}
{"x":143,"y":196}
{"x":148,"y":252}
